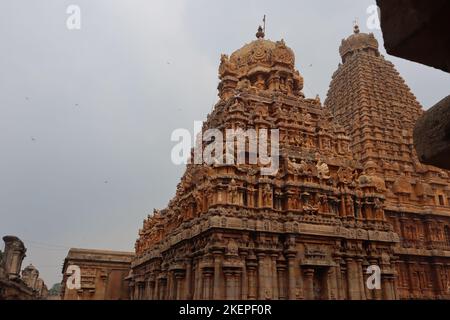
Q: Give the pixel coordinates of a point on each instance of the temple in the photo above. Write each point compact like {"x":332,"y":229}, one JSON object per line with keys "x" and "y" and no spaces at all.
{"x":102,"y":274}
{"x":378,"y":110}
{"x":349,"y":193}
{"x":13,"y":285}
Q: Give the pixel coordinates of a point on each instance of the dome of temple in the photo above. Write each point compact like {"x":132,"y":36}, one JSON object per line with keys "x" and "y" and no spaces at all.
{"x":358,"y":42}
{"x":264,"y":53}
{"x":260,"y":65}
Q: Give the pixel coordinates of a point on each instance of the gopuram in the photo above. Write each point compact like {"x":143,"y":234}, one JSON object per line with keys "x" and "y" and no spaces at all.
{"x":349,"y":193}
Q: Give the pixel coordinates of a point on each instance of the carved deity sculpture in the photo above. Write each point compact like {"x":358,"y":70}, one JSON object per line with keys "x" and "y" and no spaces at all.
{"x":323,"y":171}
{"x":233,"y":192}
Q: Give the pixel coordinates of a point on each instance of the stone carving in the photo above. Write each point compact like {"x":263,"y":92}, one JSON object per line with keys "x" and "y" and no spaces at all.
{"x":323,"y":171}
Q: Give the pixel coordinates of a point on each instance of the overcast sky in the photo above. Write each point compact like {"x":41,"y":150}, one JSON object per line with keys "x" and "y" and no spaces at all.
{"x":86,"y":115}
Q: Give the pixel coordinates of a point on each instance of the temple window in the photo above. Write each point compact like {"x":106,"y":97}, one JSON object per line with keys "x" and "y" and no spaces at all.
{"x":441,"y":200}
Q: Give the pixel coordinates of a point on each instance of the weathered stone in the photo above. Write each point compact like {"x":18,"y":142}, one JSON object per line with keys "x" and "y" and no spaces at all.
{"x":432,"y":135}
{"x":417,"y":30}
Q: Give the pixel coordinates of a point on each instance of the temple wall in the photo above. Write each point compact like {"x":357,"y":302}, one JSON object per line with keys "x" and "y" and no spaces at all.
{"x":304,"y":270}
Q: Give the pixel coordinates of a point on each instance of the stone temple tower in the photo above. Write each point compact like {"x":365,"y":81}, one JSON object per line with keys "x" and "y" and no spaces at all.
{"x":371,"y":100}
{"x":308,"y":230}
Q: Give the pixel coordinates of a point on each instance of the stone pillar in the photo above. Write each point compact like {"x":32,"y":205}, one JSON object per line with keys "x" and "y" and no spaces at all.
{"x":179,"y":277}
{"x":152,"y":289}
{"x":437,"y":269}
{"x":188,"y":280}
{"x":332,"y":283}
{"x":207,"y":283}
{"x":309,"y":283}
{"x":282,"y":288}
{"x":342,"y":207}
{"x":170,"y":285}
{"x":198,"y":280}
{"x":157,"y":289}
{"x":387,"y":288}
{"x":217,"y":295}
{"x":340,"y":290}
{"x":147,"y":291}
{"x":244,"y":279}
{"x":229,"y":284}
{"x":13,"y":256}
{"x":362,"y":283}
{"x":412,"y":283}
{"x":261,"y":276}
{"x":291,"y":276}
{"x":162,"y":289}
{"x":274,"y":275}
{"x":252,"y":281}
{"x":353,"y":281}
{"x":344,"y":282}
{"x":131,"y":290}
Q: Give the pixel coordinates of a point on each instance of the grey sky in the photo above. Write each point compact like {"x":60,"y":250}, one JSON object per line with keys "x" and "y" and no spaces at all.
{"x":86,"y":115}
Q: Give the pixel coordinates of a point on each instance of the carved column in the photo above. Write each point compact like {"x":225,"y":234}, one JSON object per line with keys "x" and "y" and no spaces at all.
{"x":339,"y":282}
{"x":188,"y":280}
{"x":244,"y":279}
{"x":261,"y":276}
{"x":152,"y":289}
{"x":353,"y":280}
{"x":412,"y":283}
{"x":207,"y":283}
{"x":342,"y":212}
{"x":274,"y":275}
{"x":437,"y":268}
{"x":332,"y":284}
{"x":157,"y":289}
{"x":252,"y":281}
{"x":309,"y":283}
{"x":198,"y":280}
{"x":229,"y":284}
{"x":131,"y":290}
{"x":387,"y":287}
{"x":217,"y":295}
{"x":170,"y":285}
{"x":291,"y":276}
{"x":148,"y":289}
{"x":282,"y":281}
{"x":362,"y":284}
{"x":179,"y":277}
{"x":344,"y":281}
{"x":162,"y":288}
